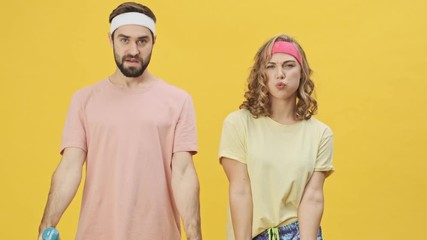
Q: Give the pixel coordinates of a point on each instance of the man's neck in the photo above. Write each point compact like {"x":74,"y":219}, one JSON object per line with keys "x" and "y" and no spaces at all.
{"x":120,"y":80}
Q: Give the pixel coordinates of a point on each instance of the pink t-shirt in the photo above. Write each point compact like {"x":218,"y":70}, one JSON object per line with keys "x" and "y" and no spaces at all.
{"x":129,"y":137}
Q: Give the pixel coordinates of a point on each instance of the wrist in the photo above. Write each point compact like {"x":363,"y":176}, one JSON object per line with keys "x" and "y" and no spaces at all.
{"x":198,"y":237}
{"x":45,"y":225}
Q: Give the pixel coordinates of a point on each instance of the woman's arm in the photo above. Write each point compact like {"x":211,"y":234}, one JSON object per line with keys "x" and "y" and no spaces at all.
{"x":240,"y":197}
{"x":311,"y":208}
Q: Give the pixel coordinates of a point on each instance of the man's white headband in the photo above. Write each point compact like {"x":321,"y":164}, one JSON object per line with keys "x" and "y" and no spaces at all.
{"x":133,"y":18}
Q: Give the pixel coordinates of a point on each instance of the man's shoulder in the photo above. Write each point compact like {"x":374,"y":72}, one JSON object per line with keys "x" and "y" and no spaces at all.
{"x":171,"y":89}
{"x":88,"y":90}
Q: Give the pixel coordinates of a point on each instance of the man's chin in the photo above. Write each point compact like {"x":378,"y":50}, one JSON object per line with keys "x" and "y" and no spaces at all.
{"x":132,"y":75}
{"x":132,"y":72}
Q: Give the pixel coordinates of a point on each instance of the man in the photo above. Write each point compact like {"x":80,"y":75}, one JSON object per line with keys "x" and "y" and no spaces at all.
{"x":137,"y":135}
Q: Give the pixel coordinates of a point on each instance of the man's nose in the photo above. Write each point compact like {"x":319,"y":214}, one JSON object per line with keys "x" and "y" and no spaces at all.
{"x":134,"y":50}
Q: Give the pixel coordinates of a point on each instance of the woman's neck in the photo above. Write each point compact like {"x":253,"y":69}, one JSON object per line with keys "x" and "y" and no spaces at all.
{"x":283,"y":111}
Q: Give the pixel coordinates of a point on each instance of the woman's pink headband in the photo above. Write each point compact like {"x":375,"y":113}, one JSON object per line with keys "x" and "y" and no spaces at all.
{"x":288,"y":48}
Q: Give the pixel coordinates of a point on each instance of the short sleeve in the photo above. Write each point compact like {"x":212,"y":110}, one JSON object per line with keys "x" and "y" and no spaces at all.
{"x":185,"y":139}
{"x":324,"y":161}
{"x":233,"y":141}
{"x":74,"y":134}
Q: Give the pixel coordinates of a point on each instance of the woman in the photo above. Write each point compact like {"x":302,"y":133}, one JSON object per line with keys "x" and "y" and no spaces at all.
{"x":275,"y":154}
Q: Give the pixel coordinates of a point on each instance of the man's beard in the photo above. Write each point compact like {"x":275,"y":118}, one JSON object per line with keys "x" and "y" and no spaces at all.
{"x":132,"y":72}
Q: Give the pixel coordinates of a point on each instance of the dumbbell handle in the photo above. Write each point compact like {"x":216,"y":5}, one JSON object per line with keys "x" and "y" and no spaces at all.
{"x":50,"y":233}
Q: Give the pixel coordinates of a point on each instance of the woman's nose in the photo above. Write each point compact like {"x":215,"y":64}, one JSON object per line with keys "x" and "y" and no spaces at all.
{"x":280,"y":73}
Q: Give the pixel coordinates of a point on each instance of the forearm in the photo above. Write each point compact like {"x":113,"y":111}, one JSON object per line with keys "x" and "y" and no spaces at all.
{"x":309,"y":215}
{"x":240,"y":197}
{"x":61,"y":193}
{"x":64,"y":185}
{"x":186,"y":193}
{"x":241,"y":212}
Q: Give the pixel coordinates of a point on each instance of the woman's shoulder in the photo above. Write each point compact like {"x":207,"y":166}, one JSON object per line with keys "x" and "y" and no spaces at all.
{"x":320,"y":126}
{"x":241,"y":115}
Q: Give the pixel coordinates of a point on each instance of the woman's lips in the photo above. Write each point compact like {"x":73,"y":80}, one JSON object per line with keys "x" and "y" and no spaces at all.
{"x":280,"y":85}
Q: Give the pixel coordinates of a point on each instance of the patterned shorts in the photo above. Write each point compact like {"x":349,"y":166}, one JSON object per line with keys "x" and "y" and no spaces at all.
{"x":287,"y":232}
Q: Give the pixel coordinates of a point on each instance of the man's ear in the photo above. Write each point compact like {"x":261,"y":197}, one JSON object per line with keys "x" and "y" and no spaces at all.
{"x":110,"y":39}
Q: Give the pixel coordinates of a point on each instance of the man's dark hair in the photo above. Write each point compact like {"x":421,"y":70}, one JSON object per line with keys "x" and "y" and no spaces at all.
{"x":132,"y":7}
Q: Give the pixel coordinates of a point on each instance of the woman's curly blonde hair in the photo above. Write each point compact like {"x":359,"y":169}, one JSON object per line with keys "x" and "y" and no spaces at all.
{"x":257,"y":96}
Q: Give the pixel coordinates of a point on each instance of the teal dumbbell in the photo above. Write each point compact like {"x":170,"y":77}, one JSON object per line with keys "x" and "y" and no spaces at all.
{"x":50,"y":233}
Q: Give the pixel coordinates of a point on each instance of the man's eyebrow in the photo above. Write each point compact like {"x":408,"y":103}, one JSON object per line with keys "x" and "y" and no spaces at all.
{"x":123,"y":36}
{"x":139,"y":38}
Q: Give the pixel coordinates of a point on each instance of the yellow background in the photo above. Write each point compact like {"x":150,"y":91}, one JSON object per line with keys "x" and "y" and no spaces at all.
{"x":369,"y":59}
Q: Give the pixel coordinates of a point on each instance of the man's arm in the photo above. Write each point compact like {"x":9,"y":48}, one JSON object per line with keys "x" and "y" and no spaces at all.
{"x":240,"y":197}
{"x":185,"y":187}
{"x":64,"y":185}
{"x":311,"y":208}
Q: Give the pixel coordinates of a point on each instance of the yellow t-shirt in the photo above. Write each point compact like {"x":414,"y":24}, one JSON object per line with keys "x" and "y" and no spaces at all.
{"x":280,"y":161}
